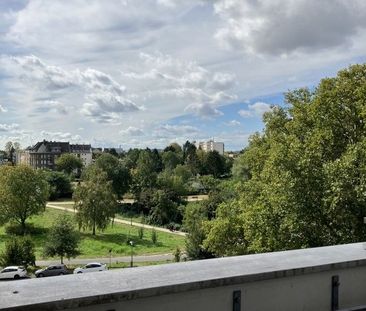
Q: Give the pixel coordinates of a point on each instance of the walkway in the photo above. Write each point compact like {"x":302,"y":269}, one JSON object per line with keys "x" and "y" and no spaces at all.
{"x":117,"y":220}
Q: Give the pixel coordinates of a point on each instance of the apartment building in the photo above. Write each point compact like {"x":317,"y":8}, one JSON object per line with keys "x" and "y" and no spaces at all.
{"x":210,"y":145}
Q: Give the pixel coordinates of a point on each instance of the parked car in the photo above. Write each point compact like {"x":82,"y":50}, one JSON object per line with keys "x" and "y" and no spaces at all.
{"x":52,"y":271}
{"x":13,"y":272}
{"x":91,"y":267}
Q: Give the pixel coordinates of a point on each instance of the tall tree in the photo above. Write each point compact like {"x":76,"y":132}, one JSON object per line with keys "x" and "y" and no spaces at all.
{"x":23,"y":193}
{"x":116,"y":172}
{"x":62,"y":240}
{"x":68,"y":163}
{"x":303,"y":177}
{"x":95,"y":201}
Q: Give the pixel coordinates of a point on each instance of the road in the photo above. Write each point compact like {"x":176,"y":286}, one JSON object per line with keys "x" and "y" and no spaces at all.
{"x":120,"y":221}
{"x":82,"y":261}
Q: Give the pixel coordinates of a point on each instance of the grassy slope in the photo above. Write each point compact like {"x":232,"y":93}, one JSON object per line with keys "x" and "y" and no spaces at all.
{"x":114,"y":238}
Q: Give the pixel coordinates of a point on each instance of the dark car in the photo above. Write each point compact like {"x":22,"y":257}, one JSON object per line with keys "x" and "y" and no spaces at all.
{"x":52,"y":271}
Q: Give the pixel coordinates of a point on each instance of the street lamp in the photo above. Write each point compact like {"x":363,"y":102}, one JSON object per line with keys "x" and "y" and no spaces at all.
{"x":131,"y":263}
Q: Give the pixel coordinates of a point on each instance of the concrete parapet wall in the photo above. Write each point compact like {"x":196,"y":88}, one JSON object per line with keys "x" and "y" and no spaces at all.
{"x":290,"y":280}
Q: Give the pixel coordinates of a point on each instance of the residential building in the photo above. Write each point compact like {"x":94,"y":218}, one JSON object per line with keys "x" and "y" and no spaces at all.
{"x":44,"y":154}
{"x":210,"y":145}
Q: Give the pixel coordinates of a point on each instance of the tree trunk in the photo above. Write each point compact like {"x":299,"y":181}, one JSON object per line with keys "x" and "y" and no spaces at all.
{"x":94,"y":228}
{"x":62,"y":260}
{"x":22,"y":225}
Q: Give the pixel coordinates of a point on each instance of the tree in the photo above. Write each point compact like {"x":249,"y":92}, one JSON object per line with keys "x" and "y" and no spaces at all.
{"x":164,"y":210}
{"x":68,"y":163}
{"x":215,"y":164}
{"x":171,"y":159}
{"x":193,"y":220}
{"x":18,"y":251}
{"x":302,"y":178}
{"x":144,"y":175}
{"x":116,"y":172}
{"x":95,"y":201}
{"x":59,"y":184}
{"x":62,"y":240}
{"x":23,"y":193}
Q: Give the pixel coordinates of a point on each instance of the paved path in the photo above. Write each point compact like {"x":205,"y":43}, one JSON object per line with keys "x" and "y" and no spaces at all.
{"x":120,"y":221}
{"x":83,"y":261}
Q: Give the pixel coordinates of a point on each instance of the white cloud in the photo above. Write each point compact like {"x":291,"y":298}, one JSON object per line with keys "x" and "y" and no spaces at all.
{"x":2,"y":109}
{"x":8,"y":127}
{"x":285,"y":26}
{"x":255,"y":110}
{"x":168,"y":130}
{"x":51,"y":105}
{"x":233,"y":123}
{"x":132,"y":131}
{"x":186,"y":81}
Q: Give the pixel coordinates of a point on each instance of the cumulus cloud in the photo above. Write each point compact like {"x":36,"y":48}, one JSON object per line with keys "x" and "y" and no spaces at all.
{"x":51,"y":105}
{"x":185,"y":81}
{"x":233,"y":123}
{"x":255,"y":110}
{"x":132,"y":131}
{"x":2,"y":109}
{"x":60,"y":136}
{"x":106,"y":99}
{"x":285,"y":26}
{"x":169,"y":130}
{"x":8,"y":127}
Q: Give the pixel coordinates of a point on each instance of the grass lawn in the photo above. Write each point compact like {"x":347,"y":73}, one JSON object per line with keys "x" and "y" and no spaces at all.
{"x":115,"y":238}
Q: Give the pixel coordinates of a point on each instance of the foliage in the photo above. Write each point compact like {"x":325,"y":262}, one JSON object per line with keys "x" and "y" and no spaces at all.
{"x":23,"y":193}
{"x":116,"y":172}
{"x":171,"y":159}
{"x":68,"y":163}
{"x":18,"y":251}
{"x":302,"y":179}
{"x":95,"y":201}
{"x":141,"y":232}
{"x":177,"y":254}
{"x":59,"y":184}
{"x":154,"y":236}
{"x":63,"y":240}
{"x":193,"y":221}
{"x":163,"y":210}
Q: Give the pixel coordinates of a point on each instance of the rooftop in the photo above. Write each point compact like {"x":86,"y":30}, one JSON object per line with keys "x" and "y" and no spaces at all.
{"x":118,"y":285}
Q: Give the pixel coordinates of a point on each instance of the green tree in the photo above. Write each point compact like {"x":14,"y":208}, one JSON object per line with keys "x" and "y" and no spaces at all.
{"x":302,"y":179}
{"x":23,"y":193}
{"x":68,"y":163}
{"x":95,"y":201}
{"x":215,"y":164}
{"x":171,"y":159}
{"x":144,"y":175}
{"x":59,"y":184}
{"x":116,"y":172}
{"x":63,"y":240}
{"x":194,"y":217}
{"x":18,"y":251}
{"x":164,"y":210}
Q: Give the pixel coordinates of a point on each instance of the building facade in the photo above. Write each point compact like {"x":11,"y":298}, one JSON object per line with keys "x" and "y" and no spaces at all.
{"x":211,"y":145}
{"x":43,"y":155}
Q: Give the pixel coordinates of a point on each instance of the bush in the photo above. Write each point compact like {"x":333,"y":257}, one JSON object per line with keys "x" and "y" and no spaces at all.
{"x":141,"y":232}
{"x":16,"y":229}
{"x":154,"y":236}
{"x":18,"y":251}
{"x":177,"y":254}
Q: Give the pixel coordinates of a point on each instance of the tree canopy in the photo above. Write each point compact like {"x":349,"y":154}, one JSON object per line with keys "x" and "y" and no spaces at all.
{"x":68,"y":162}
{"x":303,"y":179}
{"x":23,"y":193}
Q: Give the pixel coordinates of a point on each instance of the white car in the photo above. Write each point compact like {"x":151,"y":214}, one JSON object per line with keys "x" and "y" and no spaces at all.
{"x":91,"y":267}
{"x":13,"y":272}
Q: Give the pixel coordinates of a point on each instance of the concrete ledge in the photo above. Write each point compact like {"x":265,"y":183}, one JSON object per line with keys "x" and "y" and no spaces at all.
{"x":74,"y":291}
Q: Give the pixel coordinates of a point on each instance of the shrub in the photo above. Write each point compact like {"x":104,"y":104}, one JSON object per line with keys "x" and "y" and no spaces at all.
{"x":177,"y":254}
{"x":18,"y":251}
{"x":154,"y":236}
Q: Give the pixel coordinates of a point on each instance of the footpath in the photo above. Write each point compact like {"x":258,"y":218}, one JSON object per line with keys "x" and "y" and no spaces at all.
{"x":120,"y":221}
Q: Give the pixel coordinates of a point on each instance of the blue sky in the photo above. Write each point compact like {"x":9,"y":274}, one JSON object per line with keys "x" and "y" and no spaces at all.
{"x":145,"y":73}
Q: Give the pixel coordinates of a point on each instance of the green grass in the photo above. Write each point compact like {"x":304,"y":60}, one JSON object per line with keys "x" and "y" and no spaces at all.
{"x":114,"y":238}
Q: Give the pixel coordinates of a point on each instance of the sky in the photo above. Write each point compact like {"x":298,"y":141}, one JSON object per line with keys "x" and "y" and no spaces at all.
{"x":145,"y":73}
